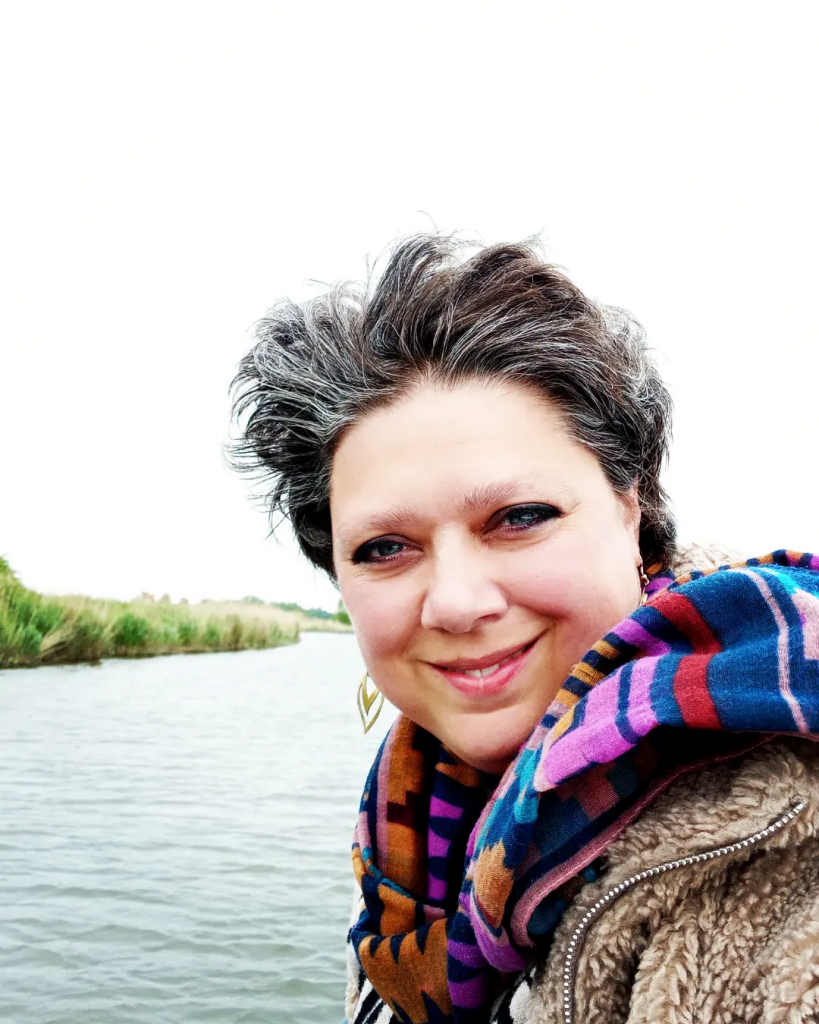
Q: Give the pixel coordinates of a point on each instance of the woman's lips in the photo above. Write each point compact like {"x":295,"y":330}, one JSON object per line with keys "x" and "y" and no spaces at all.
{"x":486,"y":685}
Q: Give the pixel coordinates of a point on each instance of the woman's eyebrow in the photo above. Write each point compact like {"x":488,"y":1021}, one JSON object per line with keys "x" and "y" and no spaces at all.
{"x":386,"y":521}
{"x":493,"y":493}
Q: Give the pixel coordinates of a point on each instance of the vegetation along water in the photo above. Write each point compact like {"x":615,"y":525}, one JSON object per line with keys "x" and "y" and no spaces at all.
{"x":44,"y":630}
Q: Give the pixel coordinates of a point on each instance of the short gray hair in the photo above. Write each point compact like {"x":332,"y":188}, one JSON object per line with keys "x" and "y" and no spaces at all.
{"x":437,"y":314}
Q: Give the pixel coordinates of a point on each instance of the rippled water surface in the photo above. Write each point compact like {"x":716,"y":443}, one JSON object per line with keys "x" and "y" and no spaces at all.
{"x":175,"y":835}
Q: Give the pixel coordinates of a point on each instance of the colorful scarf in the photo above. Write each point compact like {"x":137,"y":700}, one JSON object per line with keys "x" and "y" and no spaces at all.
{"x":465,"y":877}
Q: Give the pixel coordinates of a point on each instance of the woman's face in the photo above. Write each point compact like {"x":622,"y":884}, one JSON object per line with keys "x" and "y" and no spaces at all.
{"x":480,"y":552}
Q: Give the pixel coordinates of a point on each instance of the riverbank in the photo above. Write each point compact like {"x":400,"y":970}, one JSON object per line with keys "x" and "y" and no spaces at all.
{"x":43,"y":630}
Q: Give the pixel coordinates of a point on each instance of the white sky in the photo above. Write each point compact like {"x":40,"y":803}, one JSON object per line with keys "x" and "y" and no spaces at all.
{"x":170,"y":169}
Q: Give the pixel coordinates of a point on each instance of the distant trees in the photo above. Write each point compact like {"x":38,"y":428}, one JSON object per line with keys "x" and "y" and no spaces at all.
{"x":292,"y":606}
{"x":339,"y":615}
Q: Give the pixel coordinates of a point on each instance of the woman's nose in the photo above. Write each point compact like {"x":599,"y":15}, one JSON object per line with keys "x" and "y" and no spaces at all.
{"x":460,"y":594}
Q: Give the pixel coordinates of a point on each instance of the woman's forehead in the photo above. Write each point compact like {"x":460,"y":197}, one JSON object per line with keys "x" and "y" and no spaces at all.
{"x":445,"y":455}
{"x":473,"y":420}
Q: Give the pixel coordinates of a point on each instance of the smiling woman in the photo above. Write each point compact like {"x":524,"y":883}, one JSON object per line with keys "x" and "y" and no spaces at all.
{"x":471,"y":448}
{"x":508,"y":553}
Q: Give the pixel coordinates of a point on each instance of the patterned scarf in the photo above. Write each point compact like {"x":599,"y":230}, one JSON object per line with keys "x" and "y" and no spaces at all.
{"x":465,"y":876}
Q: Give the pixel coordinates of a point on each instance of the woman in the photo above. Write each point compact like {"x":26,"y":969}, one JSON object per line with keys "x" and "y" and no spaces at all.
{"x":601,"y":798}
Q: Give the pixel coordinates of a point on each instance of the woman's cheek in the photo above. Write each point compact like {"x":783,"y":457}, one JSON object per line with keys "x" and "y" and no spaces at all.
{"x":543,"y":583}
{"x":574,"y":596}
{"x":379,"y":618}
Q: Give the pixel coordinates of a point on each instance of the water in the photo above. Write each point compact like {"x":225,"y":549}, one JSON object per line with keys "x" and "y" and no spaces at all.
{"x":175,"y":836}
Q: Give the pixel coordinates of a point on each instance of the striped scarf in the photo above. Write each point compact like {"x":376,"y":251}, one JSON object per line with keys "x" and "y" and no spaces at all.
{"x":465,"y":877}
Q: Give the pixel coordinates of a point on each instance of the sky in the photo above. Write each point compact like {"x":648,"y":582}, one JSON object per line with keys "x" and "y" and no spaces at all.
{"x":171,"y":169}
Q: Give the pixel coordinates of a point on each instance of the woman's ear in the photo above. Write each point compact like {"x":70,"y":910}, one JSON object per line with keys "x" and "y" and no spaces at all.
{"x":631,"y":507}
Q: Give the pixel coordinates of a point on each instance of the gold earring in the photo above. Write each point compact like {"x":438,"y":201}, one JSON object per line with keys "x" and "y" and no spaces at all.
{"x":643,"y":584}
{"x":365,"y":701}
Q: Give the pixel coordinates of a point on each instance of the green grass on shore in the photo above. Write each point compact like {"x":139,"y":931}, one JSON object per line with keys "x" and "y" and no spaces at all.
{"x":38,"y":630}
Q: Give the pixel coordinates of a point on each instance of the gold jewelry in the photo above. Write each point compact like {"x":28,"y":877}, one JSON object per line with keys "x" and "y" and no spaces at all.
{"x":643,"y":584}
{"x":365,"y":701}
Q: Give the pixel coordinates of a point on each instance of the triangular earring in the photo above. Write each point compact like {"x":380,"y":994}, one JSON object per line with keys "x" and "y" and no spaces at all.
{"x":365,"y":701}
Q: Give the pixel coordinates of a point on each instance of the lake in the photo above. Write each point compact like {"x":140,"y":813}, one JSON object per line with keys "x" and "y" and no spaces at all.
{"x":176,"y":833}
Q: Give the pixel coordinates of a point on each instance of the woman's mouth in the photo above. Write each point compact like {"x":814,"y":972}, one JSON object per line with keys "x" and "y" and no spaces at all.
{"x":486,"y":680}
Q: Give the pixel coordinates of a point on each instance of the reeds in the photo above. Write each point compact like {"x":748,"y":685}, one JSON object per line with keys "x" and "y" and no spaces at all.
{"x":37,"y":630}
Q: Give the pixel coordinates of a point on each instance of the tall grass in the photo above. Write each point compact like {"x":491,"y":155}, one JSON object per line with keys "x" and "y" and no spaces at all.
{"x":36,"y":630}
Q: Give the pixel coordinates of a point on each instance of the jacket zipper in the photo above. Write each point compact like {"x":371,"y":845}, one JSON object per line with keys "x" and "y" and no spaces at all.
{"x":580,"y":932}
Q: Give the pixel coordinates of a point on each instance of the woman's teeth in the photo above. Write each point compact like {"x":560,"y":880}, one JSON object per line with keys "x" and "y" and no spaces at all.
{"x":478,"y":673}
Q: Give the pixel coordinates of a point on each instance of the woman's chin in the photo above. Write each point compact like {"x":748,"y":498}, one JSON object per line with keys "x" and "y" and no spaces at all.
{"x":492,"y":742}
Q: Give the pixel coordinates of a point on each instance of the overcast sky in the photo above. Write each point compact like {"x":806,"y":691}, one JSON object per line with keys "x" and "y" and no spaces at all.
{"x":170,"y":169}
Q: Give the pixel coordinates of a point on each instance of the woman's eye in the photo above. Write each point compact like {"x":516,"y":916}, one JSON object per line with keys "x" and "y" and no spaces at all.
{"x":378,"y":551}
{"x":523,"y":517}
